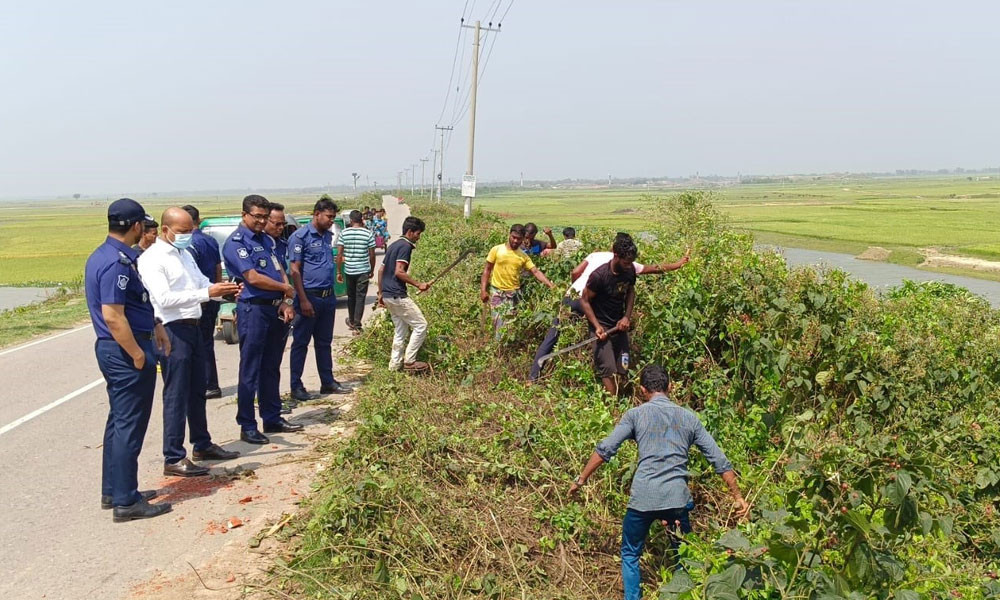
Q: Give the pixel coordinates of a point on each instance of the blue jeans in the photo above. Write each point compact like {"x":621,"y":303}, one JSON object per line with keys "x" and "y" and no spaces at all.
{"x":635,"y":528}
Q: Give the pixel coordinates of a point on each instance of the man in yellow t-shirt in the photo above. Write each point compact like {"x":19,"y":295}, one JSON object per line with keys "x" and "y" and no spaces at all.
{"x":500,"y":284}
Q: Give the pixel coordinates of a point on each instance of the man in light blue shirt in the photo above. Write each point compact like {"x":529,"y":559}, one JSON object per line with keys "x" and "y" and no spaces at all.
{"x":664,"y":433}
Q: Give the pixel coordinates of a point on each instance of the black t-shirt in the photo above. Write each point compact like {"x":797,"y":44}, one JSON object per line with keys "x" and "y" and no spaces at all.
{"x":400,"y":250}
{"x":610,"y":292}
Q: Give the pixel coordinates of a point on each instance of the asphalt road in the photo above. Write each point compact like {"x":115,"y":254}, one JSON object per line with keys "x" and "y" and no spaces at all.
{"x":55,"y":540}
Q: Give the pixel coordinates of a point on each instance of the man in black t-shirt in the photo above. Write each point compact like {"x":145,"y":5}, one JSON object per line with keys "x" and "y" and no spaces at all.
{"x":409,"y":321}
{"x":607,"y":302}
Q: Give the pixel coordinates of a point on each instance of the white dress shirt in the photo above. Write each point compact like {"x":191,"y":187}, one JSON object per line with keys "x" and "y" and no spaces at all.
{"x":593,"y":260}
{"x":175,"y":284}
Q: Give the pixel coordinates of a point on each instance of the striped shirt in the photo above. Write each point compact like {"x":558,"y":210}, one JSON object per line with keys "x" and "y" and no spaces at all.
{"x":354,"y":242}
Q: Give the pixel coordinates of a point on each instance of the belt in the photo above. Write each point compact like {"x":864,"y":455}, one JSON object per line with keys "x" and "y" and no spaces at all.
{"x":142,"y":335}
{"x":396,"y":297}
{"x":263,"y":301}
{"x":194,"y":322}
{"x":320,"y":292}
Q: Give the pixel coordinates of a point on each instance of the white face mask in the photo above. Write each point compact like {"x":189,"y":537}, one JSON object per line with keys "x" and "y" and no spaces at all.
{"x":182,"y":241}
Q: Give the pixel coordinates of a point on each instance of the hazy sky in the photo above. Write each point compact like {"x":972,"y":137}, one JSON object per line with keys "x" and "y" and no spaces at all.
{"x":116,"y":96}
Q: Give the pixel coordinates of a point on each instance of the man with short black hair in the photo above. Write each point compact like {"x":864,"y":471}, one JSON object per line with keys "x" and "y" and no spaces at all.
{"x":126,"y":334}
{"x":607,"y":302}
{"x":356,"y":264}
{"x":310,"y":253}
{"x":533,"y":247}
{"x":393,"y":277}
{"x":500,"y":284}
{"x":262,"y":315}
{"x":208,"y":257}
{"x":664,"y":433}
{"x":149,"y":229}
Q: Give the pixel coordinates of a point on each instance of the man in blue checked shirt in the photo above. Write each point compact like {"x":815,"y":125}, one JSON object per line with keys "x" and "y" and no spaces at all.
{"x":664,"y":433}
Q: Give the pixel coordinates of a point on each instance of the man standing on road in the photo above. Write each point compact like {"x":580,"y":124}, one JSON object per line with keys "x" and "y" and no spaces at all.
{"x":664,"y":433}
{"x":409,"y":321}
{"x":356,"y":263}
{"x":177,"y":290}
{"x":262,"y":315}
{"x":310,"y":252}
{"x":580,"y":276}
{"x":500,"y":284}
{"x":208,"y":257}
{"x":126,"y":330}
{"x":607,"y":301}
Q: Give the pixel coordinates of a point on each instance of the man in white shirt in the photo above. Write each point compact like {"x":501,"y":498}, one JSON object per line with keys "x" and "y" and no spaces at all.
{"x":580,"y":275}
{"x":176,"y":290}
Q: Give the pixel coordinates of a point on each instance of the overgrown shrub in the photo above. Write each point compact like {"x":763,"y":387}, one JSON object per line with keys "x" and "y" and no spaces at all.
{"x":865,"y":429}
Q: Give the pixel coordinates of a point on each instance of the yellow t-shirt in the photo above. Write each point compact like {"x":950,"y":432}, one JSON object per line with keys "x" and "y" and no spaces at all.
{"x":507,"y":267}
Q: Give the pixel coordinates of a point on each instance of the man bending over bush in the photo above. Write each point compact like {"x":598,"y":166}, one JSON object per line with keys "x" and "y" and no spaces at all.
{"x":664,"y":433}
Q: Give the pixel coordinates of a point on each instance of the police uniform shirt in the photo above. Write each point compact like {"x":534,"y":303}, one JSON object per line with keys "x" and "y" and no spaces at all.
{"x":205,"y":251}
{"x":280,"y":249}
{"x":110,"y":277}
{"x":315,"y":251}
{"x":245,"y":250}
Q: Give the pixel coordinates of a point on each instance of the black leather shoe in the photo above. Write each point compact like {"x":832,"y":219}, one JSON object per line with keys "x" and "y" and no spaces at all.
{"x":281,"y":426}
{"x":334,"y":388}
{"x":140,"y":510}
{"x":216,"y":393}
{"x":106,"y":501}
{"x":301,"y":395}
{"x":253,"y":437}
{"x":215,"y":452}
{"x":184,"y":468}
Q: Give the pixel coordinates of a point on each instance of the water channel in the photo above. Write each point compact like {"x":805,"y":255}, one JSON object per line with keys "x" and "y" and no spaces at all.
{"x":881,"y":275}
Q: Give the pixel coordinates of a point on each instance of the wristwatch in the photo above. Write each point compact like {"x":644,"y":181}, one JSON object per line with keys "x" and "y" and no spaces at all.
{"x":289,"y":301}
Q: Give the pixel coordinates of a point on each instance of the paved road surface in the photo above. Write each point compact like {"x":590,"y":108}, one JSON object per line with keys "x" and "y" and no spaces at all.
{"x":12,"y":297}
{"x":54,"y":539}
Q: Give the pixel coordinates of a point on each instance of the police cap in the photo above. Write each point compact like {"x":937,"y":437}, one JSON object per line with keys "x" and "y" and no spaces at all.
{"x":126,"y":211}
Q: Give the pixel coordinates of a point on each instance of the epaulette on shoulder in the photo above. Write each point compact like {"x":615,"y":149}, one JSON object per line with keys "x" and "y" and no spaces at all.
{"x":123,"y":258}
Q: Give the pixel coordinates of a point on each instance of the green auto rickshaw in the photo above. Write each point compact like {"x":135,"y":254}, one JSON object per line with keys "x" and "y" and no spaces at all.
{"x":220,"y":228}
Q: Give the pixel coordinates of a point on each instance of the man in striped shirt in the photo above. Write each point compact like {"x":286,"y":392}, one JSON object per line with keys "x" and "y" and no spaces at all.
{"x":356,"y":262}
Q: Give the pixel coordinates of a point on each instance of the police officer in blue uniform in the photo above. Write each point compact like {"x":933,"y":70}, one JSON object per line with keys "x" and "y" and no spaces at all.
{"x":126,"y":331}
{"x":207,"y":256}
{"x":262,"y":314}
{"x":310,"y":253}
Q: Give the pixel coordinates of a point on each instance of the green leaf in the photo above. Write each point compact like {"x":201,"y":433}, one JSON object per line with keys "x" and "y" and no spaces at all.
{"x":734,"y":540}
{"x":859,"y":521}
{"x":926,"y":523}
{"x":724,"y":585}
{"x":381,"y":572}
{"x":905,"y":595}
{"x":680,"y":584}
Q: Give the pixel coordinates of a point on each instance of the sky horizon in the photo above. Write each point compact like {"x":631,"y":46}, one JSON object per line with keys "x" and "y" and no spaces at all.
{"x":246,"y":95}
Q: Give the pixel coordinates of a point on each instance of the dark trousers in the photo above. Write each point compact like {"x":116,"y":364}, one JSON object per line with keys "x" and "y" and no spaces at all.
{"x":319,"y":329}
{"x":184,"y":392}
{"x":552,"y":336}
{"x":262,"y":344}
{"x":357,"y":292}
{"x":635,"y":528}
{"x":130,"y":401}
{"x":209,"y":316}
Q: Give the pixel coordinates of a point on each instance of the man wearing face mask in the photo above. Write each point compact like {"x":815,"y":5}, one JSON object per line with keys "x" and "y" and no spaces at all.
{"x":177,"y":288}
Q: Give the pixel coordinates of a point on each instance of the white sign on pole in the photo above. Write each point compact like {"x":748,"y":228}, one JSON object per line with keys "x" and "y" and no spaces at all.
{"x":468,"y":186}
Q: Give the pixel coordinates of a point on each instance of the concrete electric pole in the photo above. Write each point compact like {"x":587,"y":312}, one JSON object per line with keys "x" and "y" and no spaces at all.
{"x":441,"y":172}
{"x":423,"y":167}
{"x":413,"y":178}
{"x":433,"y":170}
{"x":355,"y":176}
{"x":469,"y":172}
